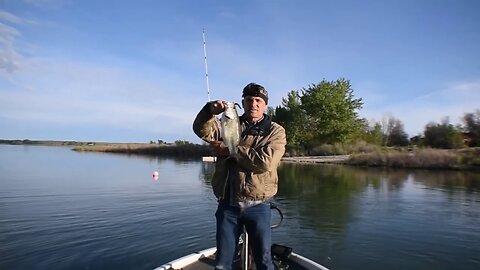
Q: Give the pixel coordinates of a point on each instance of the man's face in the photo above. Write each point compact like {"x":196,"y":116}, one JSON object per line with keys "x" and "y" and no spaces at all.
{"x":254,"y":107}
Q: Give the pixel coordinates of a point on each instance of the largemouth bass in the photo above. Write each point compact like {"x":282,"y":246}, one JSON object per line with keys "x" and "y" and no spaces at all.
{"x":230,"y":127}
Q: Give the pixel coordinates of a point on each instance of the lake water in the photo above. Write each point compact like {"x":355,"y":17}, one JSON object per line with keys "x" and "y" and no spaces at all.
{"x":60,"y":209}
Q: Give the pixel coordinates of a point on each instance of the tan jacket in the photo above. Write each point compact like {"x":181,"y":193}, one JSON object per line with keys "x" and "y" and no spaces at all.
{"x":254,"y":167}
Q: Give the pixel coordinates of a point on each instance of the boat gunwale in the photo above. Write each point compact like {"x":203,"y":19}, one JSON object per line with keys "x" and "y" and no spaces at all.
{"x":194,"y":257}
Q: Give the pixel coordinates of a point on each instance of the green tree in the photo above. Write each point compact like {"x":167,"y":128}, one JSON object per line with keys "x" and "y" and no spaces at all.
{"x":417,"y":140}
{"x":291,"y":116}
{"x":373,"y":134}
{"x":182,"y":142}
{"x":396,"y":135}
{"x":472,"y":127}
{"x":369,"y":133}
{"x":270,"y":111}
{"x":443,"y":135}
{"x":330,"y":112}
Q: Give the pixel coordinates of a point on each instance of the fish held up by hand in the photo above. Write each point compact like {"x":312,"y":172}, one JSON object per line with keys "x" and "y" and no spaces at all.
{"x":230,"y":127}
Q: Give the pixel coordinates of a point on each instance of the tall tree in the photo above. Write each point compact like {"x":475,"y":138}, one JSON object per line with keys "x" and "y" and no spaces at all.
{"x":331,"y":111}
{"x":397,"y":135}
{"x":472,"y":127}
{"x":385,"y":125}
{"x":374,"y":134}
{"x":443,"y":135}
{"x":291,"y":116}
{"x":370,"y":132}
{"x":270,"y":111}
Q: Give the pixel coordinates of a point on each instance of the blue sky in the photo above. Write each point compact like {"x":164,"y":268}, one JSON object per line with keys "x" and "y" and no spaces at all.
{"x":133,"y":71}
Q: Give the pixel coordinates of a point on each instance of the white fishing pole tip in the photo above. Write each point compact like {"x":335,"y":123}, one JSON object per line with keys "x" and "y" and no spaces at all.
{"x":155,"y":175}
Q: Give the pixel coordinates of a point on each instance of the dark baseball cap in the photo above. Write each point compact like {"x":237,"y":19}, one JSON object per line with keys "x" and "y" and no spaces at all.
{"x":255,"y":90}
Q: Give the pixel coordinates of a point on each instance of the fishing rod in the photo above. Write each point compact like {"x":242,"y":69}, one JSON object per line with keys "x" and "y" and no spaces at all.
{"x":206,"y":65}
{"x":206,"y":74}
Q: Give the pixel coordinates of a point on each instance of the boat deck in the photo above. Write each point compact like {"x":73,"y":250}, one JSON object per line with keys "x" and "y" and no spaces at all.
{"x":205,"y":263}
{"x":283,"y":258}
{"x":208,"y":263}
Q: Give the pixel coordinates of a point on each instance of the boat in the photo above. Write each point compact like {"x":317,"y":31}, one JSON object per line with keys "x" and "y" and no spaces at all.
{"x":283,"y":257}
{"x":205,"y":260}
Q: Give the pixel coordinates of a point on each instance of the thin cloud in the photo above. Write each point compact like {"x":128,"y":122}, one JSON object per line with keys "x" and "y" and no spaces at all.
{"x":72,"y":93}
{"x":9,"y":57}
{"x":452,"y":101}
{"x":47,"y":4}
{"x":9,"y":17}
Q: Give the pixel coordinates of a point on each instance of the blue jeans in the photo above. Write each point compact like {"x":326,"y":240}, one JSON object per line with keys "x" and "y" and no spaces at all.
{"x":230,"y":222}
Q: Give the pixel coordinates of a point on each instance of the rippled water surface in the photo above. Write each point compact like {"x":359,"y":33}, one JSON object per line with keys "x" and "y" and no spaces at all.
{"x":61,"y":209}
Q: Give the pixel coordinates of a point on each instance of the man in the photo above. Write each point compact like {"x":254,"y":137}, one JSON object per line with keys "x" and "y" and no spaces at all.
{"x":245,"y":182}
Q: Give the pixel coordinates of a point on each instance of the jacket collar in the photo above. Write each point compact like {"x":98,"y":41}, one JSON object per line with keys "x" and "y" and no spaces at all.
{"x":261,"y":128}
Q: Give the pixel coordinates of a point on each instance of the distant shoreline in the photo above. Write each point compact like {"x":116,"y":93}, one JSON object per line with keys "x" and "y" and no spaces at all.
{"x":43,"y":142}
{"x":453,"y":159}
{"x":185,"y":150}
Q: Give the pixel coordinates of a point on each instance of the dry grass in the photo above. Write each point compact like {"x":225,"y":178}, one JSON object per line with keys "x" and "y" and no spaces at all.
{"x":184,"y":150}
{"x":332,"y":149}
{"x":422,"y":158}
{"x":115,"y":147}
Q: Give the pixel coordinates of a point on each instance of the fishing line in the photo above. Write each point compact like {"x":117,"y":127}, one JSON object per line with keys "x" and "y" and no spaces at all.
{"x":206,"y":65}
{"x":206,"y":74}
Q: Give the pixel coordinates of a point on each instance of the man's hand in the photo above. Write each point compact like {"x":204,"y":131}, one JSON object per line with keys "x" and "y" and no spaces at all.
{"x":217,"y":107}
{"x":219,"y":149}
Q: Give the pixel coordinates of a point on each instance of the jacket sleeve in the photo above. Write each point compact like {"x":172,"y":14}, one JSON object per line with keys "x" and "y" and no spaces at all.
{"x":206,"y":125}
{"x":266,"y":157}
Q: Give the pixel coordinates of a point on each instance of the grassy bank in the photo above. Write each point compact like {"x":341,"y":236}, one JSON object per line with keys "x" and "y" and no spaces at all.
{"x":182,"y":150}
{"x":44,"y":142}
{"x":359,"y":154}
{"x":420,"y":158}
{"x":331,"y":149}
{"x":364,"y":154}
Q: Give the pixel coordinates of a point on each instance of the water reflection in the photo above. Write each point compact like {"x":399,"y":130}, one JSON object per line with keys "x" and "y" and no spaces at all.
{"x":383,"y":211}
{"x":327,"y":197}
{"x":206,"y":173}
{"x":449,"y":180}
